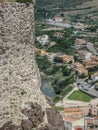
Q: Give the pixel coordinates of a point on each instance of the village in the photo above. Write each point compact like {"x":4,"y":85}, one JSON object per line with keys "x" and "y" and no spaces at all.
{"x":79,"y":106}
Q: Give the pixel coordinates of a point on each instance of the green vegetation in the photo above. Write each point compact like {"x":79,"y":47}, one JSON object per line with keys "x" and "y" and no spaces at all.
{"x":61,"y":75}
{"x":62,"y":44}
{"x":92,"y":28}
{"x":67,"y":90}
{"x":60,"y":108}
{"x":43,"y":63}
{"x":80,"y":96}
{"x":92,"y":70}
{"x":61,"y":4}
{"x":57,"y":98}
{"x":96,"y":86}
{"x":58,"y":60}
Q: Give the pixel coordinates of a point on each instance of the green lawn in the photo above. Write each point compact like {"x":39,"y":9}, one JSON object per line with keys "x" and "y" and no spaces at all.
{"x":80,"y":96}
{"x":60,"y":108}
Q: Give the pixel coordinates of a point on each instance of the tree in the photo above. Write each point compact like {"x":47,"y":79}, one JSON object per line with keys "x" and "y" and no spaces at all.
{"x":96,"y":86}
{"x":58,"y":59}
{"x":66,"y":71}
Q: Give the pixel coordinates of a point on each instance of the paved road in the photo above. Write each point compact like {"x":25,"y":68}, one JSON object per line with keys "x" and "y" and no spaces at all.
{"x":90,"y":91}
{"x":90,"y":46}
{"x":64,"y":25}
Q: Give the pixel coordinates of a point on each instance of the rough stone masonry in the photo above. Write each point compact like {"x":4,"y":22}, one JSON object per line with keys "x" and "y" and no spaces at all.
{"x":22,"y":104}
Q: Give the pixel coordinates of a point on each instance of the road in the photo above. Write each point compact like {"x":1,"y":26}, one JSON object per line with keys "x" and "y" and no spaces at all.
{"x":63,"y":25}
{"x":90,"y":46}
{"x":90,"y":91}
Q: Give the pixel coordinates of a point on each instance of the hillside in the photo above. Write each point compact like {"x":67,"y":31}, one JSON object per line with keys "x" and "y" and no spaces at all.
{"x":68,"y":7}
{"x":59,"y":3}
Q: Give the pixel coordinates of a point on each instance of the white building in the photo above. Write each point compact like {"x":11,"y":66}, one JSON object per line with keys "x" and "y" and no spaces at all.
{"x":44,"y":39}
{"x":58,"y":19}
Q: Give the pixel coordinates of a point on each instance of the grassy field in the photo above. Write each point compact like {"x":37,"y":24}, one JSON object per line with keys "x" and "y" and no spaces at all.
{"x":80,"y":96}
{"x":60,"y":108}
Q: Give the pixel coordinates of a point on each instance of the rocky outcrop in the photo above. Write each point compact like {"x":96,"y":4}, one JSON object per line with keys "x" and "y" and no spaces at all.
{"x":54,"y":118}
{"x":35,"y":114}
{"x":36,"y":120}
{"x":23,"y":106}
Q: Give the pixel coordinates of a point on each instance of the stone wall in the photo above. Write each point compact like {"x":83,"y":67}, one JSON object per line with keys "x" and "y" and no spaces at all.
{"x":19,"y":74}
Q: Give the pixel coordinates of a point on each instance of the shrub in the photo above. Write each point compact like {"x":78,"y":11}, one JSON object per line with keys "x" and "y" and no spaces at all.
{"x":58,"y":59}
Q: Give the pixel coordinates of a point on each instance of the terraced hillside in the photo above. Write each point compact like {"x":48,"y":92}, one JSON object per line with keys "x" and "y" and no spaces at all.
{"x":69,"y":8}
{"x":85,"y":7}
{"x":59,"y":3}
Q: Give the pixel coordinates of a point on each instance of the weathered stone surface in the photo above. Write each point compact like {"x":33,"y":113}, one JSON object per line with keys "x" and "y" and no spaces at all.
{"x":22,"y":104}
{"x":19,"y":75}
{"x":54,"y":118}
{"x":26,"y":125}
{"x":35,"y":114}
{"x":9,"y":126}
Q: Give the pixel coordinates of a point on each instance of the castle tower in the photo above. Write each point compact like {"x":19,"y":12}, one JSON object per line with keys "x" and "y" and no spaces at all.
{"x":19,"y":75}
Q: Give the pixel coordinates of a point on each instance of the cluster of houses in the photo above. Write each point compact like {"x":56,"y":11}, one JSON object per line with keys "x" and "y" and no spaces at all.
{"x":83,"y":117}
{"x":92,"y":123}
{"x":88,"y":59}
{"x":45,"y":40}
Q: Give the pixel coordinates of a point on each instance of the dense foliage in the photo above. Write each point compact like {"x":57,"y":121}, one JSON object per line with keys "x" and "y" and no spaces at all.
{"x":61,"y":75}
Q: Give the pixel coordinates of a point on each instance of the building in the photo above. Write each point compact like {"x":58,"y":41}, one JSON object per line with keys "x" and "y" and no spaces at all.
{"x":73,"y":111}
{"x":79,"y":43}
{"x":94,"y":77}
{"x":80,"y":68}
{"x":59,"y":34}
{"x":91,"y":123}
{"x":93,"y":61}
{"x":67,"y":58}
{"x":88,"y":55}
{"x":79,"y":26}
{"x":83,"y":54}
{"x":43,"y":53}
{"x":73,"y":123}
{"x":78,"y":128}
{"x":44,"y":39}
{"x":58,"y":19}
